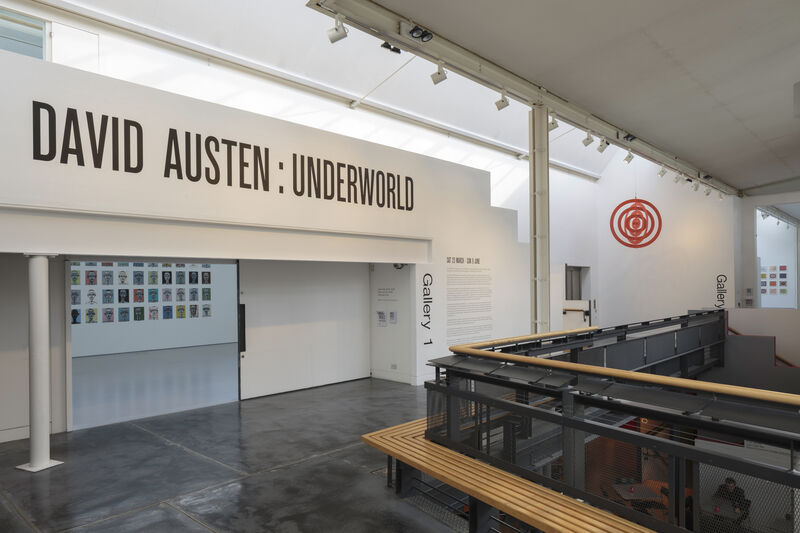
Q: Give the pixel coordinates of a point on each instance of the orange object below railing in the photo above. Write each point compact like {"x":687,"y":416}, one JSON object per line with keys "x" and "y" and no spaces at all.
{"x":778,"y":358}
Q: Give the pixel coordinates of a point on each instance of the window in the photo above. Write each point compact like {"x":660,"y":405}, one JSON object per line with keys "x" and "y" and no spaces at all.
{"x":573,"y":277}
{"x":21,"y":34}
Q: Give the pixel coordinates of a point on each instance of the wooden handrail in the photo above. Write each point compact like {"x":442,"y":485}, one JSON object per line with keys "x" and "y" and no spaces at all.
{"x":524,"y":338}
{"x":666,"y":381}
{"x":778,"y":357}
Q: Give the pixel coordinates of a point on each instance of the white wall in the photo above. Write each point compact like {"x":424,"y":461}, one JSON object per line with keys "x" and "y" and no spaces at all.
{"x":14,"y":347}
{"x":119,"y":387}
{"x":488,"y":234}
{"x":679,"y":270}
{"x":676,"y":273}
{"x":392,"y":351}
{"x":776,"y":246}
{"x":149,"y":216}
{"x":307,"y":324}
{"x":574,"y":236}
{"x":748,"y":258}
{"x":779,"y":323}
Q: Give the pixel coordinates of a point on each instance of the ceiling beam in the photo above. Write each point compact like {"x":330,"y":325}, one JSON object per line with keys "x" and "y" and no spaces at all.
{"x":780,"y":214}
{"x":386,"y":25}
{"x":784,"y":185}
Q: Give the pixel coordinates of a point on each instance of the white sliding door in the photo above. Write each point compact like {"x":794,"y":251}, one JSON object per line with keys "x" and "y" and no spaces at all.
{"x":306,"y":324}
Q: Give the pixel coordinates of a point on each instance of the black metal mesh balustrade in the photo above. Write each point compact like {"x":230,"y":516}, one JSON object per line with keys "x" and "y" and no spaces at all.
{"x":662,"y":457}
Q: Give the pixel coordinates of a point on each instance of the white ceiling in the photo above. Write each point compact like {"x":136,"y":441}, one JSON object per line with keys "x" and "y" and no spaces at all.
{"x":710,"y":81}
{"x":792,"y":209}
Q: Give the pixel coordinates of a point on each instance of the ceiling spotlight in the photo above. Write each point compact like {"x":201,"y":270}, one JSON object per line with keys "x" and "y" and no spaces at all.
{"x":696,"y":187}
{"x":391,"y":48}
{"x":708,"y":191}
{"x":338,"y":32}
{"x":662,"y":172}
{"x":440,"y":75}
{"x":553,"y":124}
{"x":603,"y":145}
{"x":589,"y":139}
{"x":721,"y":197}
{"x":629,"y":137}
{"x":629,"y":157}
{"x":677,"y":178}
{"x":777,"y":222}
{"x":502,"y":103}
{"x":764,"y":215}
{"x":420,"y":33}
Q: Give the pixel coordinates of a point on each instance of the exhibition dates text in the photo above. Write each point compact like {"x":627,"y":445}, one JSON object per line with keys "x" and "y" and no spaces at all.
{"x":103,"y":141}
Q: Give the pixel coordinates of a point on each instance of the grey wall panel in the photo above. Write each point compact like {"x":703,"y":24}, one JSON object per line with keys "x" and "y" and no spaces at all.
{"x":749,"y":362}
{"x":660,"y":346}
{"x":688,"y":339}
{"x":711,"y":333}
{"x":625,"y":355}
{"x":668,"y":368}
{"x":114,"y":388}
{"x":593,"y":356}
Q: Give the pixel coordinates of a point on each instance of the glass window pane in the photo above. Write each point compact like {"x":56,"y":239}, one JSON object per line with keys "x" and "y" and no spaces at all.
{"x":21,"y":34}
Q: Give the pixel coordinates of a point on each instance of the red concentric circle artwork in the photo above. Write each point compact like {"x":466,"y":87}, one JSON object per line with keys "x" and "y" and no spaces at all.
{"x":635,"y":223}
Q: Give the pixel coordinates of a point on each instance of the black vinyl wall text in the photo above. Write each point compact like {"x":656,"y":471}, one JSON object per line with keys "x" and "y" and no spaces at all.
{"x":84,"y":138}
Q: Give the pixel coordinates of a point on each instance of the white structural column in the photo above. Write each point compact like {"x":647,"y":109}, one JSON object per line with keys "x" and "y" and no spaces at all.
{"x":39,"y":363}
{"x":540,"y":219}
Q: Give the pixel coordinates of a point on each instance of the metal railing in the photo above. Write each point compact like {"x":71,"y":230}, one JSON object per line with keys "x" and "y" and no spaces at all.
{"x":652,"y":448}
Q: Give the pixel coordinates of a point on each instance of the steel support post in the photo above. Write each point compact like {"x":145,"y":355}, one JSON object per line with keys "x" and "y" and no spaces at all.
{"x":539,"y":183}
{"x":574,"y":444}
{"x":39,"y":364}
{"x":674,"y":493}
{"x":481,"y":516}
{"x":695,"y":510}
{"x":403,"y":478}
{"x":451,"y":406}
{"x":680,"y":492}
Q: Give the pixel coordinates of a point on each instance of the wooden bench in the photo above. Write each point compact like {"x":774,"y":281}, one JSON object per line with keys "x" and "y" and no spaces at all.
{"x":525,"y":500}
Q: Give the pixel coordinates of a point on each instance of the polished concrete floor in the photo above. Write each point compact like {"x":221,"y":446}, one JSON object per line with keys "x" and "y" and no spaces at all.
{"x":286,"y":463}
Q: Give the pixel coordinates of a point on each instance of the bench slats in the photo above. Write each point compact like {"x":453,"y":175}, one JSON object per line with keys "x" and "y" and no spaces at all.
{"x":534,"y":504}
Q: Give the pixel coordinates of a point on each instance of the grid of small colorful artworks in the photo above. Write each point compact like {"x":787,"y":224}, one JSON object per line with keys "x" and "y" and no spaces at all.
{"x":775,"y":280}
{"x":108,"y":292}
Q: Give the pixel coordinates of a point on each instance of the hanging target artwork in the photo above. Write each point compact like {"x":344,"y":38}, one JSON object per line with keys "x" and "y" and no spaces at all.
{"x":635,"y":223}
